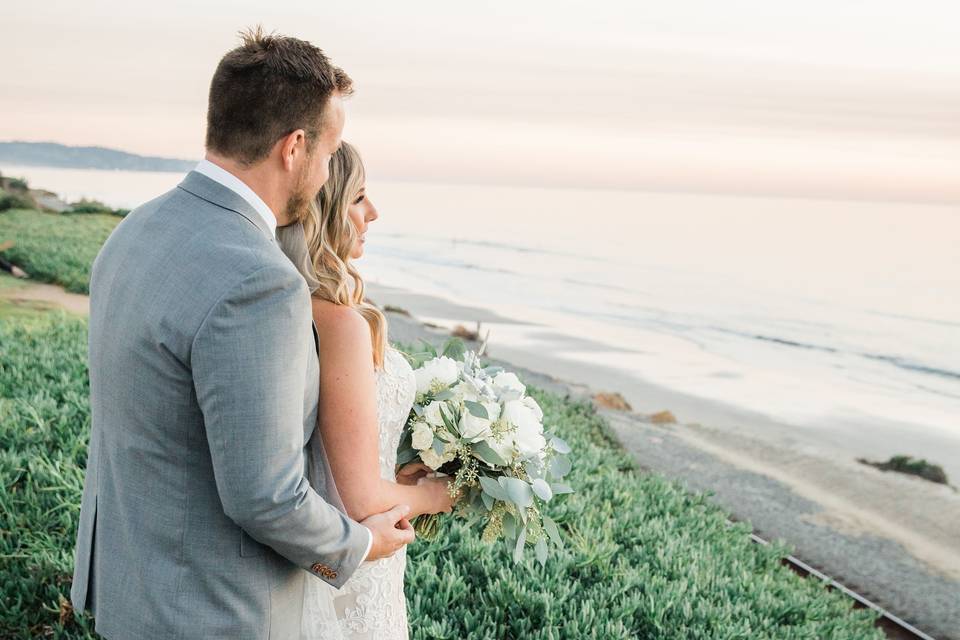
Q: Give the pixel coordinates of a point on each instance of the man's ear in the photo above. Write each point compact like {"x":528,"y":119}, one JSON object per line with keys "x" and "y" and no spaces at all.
{"x":291,"y":146}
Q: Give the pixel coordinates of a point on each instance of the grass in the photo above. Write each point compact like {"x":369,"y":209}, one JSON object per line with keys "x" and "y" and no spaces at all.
{"x":644,"y":558}
{"x":44,"y":425}
{"x":57,"y":248}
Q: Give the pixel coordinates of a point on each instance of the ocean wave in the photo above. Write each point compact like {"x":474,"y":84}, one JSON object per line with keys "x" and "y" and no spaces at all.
{"x":897,"y":361}
{"x":903,"y":363}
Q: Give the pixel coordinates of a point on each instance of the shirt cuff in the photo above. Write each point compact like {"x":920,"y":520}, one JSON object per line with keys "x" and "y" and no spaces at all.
{"x":369,"y":543}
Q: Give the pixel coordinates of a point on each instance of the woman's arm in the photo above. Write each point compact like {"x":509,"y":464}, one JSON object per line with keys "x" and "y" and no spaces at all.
{"x":348,"y":420}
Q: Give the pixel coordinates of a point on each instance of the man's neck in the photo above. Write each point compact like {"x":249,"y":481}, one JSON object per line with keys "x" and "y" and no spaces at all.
{"x":259,"y":181}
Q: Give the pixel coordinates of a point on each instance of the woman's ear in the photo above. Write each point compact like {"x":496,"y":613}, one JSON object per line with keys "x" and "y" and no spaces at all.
{"x":292,"y":145}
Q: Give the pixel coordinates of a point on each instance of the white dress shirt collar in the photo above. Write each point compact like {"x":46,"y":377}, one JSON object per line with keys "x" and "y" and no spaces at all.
{"x":235,"y":184}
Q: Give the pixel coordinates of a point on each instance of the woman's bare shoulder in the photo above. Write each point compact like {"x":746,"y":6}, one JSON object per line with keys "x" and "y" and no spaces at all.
{"x":340,"y":323}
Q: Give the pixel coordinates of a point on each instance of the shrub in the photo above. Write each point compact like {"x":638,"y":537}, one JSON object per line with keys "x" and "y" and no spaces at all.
{"x":89,"y":206}
{"x":56,"y":248}
{"x":911,"y":466}
{"x":18,"y":184}
{"x":13,"y":201}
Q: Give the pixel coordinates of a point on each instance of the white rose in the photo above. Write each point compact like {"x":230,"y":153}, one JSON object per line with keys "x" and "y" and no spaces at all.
{"x":422,"y":436}
{"x":507,"y":381}
{"x":471,"y":426}
{"x":529,"y":435}
{"x":433,"y":460}
{"x":530,"y":402}
{"x":504,"y":447}
{"x":431,"y":413}
{"x":443,"y":369}
{"x":465,"y":391}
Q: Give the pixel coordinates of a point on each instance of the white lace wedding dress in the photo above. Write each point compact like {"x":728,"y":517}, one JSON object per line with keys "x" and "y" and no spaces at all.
{"x":371,"y":604}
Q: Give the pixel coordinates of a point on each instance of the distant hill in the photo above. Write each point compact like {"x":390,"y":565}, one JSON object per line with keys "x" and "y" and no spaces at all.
{"x":51,"y":154}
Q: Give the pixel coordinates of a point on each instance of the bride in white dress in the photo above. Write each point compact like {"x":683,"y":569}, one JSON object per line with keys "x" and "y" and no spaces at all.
{"x":366,"y":391}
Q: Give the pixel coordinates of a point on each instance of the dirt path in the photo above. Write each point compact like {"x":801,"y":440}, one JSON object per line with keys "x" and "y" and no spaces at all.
{"x":36,"y":292}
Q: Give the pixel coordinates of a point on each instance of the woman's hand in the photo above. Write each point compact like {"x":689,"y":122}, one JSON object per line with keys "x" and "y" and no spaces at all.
{"x":409,"y":474}
{"x":439,"y":493}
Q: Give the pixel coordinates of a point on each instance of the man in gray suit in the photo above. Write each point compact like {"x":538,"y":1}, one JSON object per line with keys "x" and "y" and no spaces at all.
{"x":198,"y":519}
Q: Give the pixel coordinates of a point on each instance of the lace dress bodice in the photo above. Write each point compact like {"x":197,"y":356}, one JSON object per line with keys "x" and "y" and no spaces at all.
{"x":371,"y":604}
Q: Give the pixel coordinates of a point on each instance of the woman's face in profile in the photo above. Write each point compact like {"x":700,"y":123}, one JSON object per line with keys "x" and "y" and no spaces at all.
{"x":362,"y":213}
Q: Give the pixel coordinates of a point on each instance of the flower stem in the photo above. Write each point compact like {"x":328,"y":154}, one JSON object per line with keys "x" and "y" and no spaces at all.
{"x":427,"y":526}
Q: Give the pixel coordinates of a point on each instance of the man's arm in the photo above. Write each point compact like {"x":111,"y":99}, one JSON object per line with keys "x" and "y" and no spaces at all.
{"x":249,"y":362}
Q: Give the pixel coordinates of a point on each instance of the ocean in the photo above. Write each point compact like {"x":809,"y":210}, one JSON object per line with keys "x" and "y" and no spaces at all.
{"x":808,"y":311}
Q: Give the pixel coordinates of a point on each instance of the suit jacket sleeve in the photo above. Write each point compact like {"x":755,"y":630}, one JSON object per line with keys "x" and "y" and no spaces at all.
{"x":249,"y":362}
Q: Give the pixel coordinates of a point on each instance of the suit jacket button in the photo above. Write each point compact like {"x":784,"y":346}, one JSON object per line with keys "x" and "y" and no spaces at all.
{"x":317,"y":568}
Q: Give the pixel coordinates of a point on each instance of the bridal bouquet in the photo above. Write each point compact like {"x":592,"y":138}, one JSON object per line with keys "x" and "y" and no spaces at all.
{"x":477,"y":424}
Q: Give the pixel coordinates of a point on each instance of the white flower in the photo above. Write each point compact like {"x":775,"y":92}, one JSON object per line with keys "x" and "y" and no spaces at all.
{"x":422,"y":436}
{"x":508,"y":381}
{"x":530,"y":402}
{"x":529,"y":434}
{"x":434,"y":460}
{"x":504,"y":447}
{"x":431,"y":413}
{"x":443,"y":369}
{"x":465,"y":391}
{"x":471,"y":426}
{"x":493,"y":410}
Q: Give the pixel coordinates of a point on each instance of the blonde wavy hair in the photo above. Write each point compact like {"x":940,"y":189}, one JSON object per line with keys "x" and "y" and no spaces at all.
{"x":329,"y":236}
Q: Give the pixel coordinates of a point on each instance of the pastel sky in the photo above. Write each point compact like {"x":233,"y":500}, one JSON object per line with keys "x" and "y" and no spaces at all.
{"x":821,"y":98}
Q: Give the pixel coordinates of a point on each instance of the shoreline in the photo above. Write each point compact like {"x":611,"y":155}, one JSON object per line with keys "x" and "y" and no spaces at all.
{"x":890,"y":536}
{"x":541,"y":348}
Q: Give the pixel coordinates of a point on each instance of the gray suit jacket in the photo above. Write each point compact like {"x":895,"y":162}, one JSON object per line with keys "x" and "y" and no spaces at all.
{"x":198,"y":516}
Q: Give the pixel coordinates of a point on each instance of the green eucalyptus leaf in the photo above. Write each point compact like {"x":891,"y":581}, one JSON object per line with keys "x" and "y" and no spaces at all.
{"x":445,"y":394}
{"x":488,"y":500}
{"x":476,"y":409}
{"x":521,"y":540}
{"x":509,"y":527}
{"x":560,"y":445}
{"x":493,"y":488}
{"x":486,"y":453}
{"x":533,"y":468}
{"x":519,"y":491}
{"x":541,"y":550}
{"x":542,"y":489}
{"x":552,"y":530}
{"x":454,"y":348}
{"x":560,"y":466}
{"x":560,"y":488}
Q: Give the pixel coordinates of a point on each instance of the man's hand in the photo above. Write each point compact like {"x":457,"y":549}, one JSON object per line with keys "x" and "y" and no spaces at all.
{"x":391,"y":531}
{"x":409,"y":474}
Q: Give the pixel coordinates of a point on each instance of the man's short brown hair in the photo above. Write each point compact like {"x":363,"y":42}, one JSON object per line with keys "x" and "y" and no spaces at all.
{"x":266,"y":88}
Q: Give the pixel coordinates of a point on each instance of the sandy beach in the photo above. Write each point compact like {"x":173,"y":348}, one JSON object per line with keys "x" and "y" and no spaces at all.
{"x":891,"y":537}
